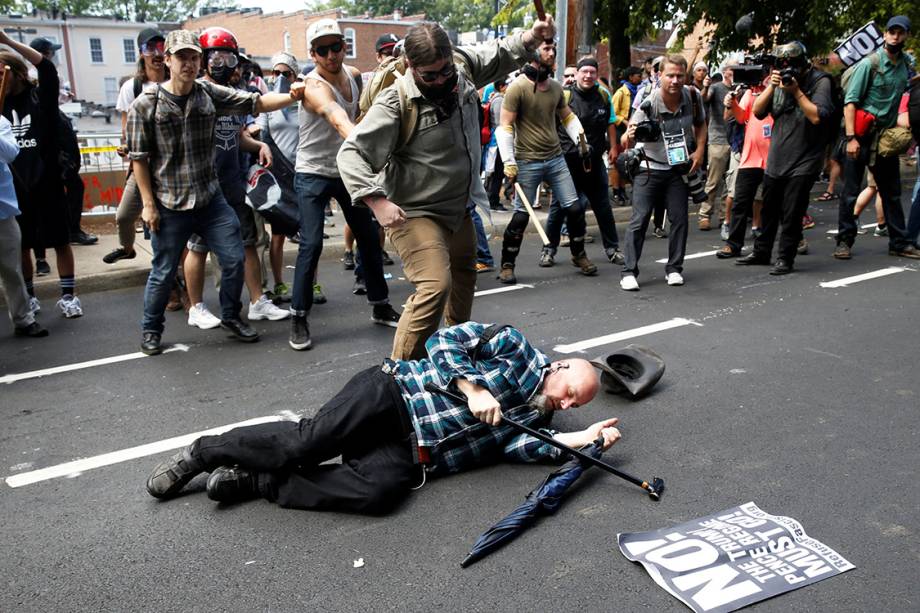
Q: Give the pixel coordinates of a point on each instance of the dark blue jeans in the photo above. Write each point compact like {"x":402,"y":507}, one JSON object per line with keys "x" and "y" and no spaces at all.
{"x":219,"y":226}
{"x":483,"y":255}
{"x":313,"y":194}
{"x":591,"y":186}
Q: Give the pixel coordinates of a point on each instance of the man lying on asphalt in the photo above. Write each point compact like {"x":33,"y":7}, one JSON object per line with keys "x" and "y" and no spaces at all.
{"x":390,"y":431}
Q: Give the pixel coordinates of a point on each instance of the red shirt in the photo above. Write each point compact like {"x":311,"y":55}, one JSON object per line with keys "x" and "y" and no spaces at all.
{"x":757,"y":133}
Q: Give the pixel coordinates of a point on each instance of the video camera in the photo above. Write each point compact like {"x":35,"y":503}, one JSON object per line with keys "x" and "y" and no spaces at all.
{"x":753,"y":69}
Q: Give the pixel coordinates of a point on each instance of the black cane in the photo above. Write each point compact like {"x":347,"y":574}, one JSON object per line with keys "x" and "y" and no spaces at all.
{"x":654,"y":488}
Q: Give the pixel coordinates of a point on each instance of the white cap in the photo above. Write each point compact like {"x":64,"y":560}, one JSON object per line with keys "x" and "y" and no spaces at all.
{"x":282,"y":57}
{"x":323,"y":27}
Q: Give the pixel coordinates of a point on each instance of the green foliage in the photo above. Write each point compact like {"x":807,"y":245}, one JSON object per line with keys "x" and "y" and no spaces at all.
{"x":138,"y":10}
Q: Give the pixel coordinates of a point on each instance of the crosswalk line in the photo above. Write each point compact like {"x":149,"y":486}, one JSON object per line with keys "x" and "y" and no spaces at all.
{"x":616,"y":337}
{"x":875,"y":274}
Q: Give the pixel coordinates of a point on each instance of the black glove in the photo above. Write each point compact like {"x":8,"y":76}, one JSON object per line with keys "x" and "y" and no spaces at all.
{"x":586,"y":152}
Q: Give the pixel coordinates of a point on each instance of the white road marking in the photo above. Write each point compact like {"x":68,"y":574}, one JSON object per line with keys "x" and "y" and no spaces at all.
{"x":866,"y":226}
{"x":81,"y":365}
{"x":106,"y":459}
{"x":875,"y":274}
{"x":692,"y":256}
{"x":677,"y":322}
{"x":501,"y":290}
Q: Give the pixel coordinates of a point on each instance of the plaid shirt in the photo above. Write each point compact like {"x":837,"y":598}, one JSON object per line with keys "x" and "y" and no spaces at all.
{"x":508,"y":366}
{"x":179,"y":144}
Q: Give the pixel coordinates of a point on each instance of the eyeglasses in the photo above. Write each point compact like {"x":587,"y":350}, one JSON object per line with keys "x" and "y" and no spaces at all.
{"x":153,"y":48}
{"x":218,"y":59}
{"x":287,"y":74}
{"x":323,"y":50}
{"x":431,"y":76}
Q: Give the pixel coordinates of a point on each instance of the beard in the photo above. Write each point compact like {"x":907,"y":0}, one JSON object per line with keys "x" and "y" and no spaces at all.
{"x":540,"y":403}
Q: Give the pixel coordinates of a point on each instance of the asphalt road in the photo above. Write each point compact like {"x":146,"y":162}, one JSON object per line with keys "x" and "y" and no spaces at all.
{"x":799,"y":397}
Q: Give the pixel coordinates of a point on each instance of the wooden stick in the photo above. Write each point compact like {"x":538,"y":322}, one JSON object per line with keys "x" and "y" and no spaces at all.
{"x":533,"y":216}
{"x":541,"y":12}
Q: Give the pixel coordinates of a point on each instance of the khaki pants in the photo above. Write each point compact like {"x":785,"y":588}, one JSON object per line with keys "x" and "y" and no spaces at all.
{"x":719,"y":157}
{"x":442,"y":266}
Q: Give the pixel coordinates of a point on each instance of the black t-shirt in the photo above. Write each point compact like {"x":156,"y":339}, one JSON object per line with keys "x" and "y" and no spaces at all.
{"x":797,"y":145}
{"x":180,"y":101}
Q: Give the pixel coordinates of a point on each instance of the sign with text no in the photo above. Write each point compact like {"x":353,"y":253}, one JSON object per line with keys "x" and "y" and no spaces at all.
{"x":728,"y":560}
{"x":860,"y":44}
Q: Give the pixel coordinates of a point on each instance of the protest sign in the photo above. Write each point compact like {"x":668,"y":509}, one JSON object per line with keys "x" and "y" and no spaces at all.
{"x":728,"y":560}
{"x":860,"y":44}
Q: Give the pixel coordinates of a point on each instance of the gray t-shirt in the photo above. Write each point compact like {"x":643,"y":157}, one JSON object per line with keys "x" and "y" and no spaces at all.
{"x":688,"y":115}
{"x":715,"y":110}
{"x":797,"y":145}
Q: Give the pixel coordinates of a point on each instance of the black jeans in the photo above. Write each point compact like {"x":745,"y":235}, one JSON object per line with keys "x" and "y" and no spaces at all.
{"x":496,"y":180}
{"x":366,"y":423}
{"x":887,"y":173}
{"x":785,"y":200}
{"x":593,"y":187}
{"x":746,"y":183}
{"x":75,"y":190}
{"x":654,"y":188}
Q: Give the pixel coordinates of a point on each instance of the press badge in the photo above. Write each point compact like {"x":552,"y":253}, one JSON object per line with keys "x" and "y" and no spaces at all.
{"x":677,"y":148}
{"x":767,"y":130}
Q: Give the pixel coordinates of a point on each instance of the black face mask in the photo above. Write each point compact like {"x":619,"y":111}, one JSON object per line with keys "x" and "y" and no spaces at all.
{"x":439,"y":94}
{"x":895,"y":49}
{"x":536,"y":74}
{"x":221,"y":75}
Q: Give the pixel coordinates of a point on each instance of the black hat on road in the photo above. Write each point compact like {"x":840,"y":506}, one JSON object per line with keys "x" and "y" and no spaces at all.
{"x":632,"y":370}
{"x":43,"y":45}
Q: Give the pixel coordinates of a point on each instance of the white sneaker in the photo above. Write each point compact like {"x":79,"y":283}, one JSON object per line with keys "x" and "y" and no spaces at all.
{"x":34,"y":305}
{"x":199,"y":316}
{"x":629,"y":284}
{"x":70,"y":306}
{"x":674,"y":278}
{"x":723,"y":234}
{"x":266,"y":309}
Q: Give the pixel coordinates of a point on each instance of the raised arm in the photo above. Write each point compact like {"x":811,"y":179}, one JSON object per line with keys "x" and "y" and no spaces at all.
{"x":318,"y":98}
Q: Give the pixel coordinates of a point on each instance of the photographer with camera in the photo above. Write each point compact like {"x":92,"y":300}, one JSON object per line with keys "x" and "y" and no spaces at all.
{"x":670,"y":128}
{"x":799,"y":97}
{"x":871,"y":101}
{"x":719,"y":150}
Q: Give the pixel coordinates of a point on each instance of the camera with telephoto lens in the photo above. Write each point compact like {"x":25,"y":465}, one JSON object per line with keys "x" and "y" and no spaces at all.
{"x":648,"y":131}
{"x":695,"y":186}
{"x":628,"y":163}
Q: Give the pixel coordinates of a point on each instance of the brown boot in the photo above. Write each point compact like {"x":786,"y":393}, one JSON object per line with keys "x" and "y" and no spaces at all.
{"x":506,"y":275}
{"x":705,"y":225}
{"x":581,"y":261}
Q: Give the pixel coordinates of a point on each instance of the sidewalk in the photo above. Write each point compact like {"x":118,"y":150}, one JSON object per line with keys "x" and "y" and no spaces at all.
{"x":93,"y":275}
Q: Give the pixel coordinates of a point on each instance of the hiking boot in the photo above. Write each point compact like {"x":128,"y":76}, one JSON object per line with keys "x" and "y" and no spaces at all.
{"x":546,"y":259}
{"x":171,"y":475}
{"x":318,"y":296}
{"x":782,"y":267}
{"x":842,"y":251}
{"x":263,"y":308}
{"x":150,"y":343}
{"x":70,"y":306}
{"x":348,"y":260}
{"x":482,"y":267}
{"x":118,"y":254}
{"x":33,"y":330}
{"x":588,"y":268}
{"x":906,"y":252}
{"x":240,"y":330}
{"x":226,"y":484}
{"x":385,"y":315}
{"x":300,"y":333}
{"x":705,"y":224}
{"x":615,"y":256}
{"x":506,"y":274}
{"x":200,"y":317}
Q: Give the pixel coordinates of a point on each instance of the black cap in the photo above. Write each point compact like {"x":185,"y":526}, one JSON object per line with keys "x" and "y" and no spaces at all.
{"x":386,"y":40}
{"x":43,"y":45}
{"x":899,"y":21}
{"x":147,"y":35}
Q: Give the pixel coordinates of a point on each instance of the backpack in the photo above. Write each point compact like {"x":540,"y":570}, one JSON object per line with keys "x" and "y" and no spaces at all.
{"x":835,"y":121}
{"x":69,"y":146}
{"x":138,"y":86}
{"x":485,"y":127}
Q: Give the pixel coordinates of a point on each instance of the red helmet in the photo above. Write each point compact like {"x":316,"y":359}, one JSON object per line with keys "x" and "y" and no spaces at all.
{"x":217,"y":38}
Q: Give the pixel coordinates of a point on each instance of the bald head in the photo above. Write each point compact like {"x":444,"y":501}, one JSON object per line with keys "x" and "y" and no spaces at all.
{"x":570,"y":383}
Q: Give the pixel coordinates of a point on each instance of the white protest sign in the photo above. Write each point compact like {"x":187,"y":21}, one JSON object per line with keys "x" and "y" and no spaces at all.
{"x":860,"y":44}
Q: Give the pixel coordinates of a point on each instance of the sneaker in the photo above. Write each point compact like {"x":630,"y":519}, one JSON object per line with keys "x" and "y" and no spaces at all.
{"x":808,"y":222}
{"x":723,"y":232}
{"x":42,"y":268}
{"x":589,"y":238}
{"x":660,"y":233}
{"x":842,"y":251}
{"x":240,"y":330}
{"x":588,"y":268}
{"x":200,"y":317}
{"x":34,"y":305}
{"x":232,"y":485}
{"x":615,"y":256}
{"x":906,"y":252}
{"x":300,"y":333}
{"x":674,"y":278}
{"x":881,"y":230}
{"x":171,"y":475}
{"x":506,"y":274}
{"x":756,"y":232}
{"x":70,"y":306}
{"x":387,"y":260}
{"x":318,"y":296}
{"x":263,"y":308}
{"x":629,"y":283}
{"x":546,"y":259}
{"x":385,"y":315}
{"x":33,"y":330}
{"x":348,"y":260}
{"x":118,"y":254}
{"x":482,"y":267}
{"x":564,"y":240}
{"x":705,"y":224}
{"x":150,"y":343}
{"x":359,"y":288}
{"x":802,"y":249}
{"x":282,"y":292}
{"x":860,"y":230}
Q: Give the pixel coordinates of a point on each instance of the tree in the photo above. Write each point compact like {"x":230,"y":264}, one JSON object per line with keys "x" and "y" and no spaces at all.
{"x":136,"y":10}
{"x":623,"y":22}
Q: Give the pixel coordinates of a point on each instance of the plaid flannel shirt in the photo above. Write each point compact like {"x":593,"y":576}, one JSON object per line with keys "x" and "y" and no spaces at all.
{"x":508,"y":366}
{"x":179,"y":145}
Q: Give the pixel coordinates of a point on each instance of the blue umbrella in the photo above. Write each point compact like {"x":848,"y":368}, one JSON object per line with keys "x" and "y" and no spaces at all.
{"x":544,"y":500}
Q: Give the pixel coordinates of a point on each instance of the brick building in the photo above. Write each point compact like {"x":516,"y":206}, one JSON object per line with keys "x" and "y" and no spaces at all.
{"x":264,"y":35}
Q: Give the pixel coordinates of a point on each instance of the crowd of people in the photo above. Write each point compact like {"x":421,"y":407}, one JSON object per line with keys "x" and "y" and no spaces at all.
{"x":423,"y":147}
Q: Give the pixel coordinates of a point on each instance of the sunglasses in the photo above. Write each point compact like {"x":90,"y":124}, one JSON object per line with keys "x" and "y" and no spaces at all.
{"x":431,"y":76}
{"x":287,"y":74}
{"x":323,"y":50}
{"x":219,"y":59}
{"x":154,"y":48}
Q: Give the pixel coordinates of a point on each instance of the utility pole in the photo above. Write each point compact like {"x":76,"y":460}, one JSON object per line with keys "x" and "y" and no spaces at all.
{"x":562,"y":21}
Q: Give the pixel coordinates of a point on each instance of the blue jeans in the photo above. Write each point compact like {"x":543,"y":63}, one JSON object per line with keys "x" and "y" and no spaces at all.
{"x":554,"y":171}
{"x":313,"y":194}
{"x":483,"y":255}
{"x":217,"y":224}
{"x":913,"y":222}
{"x":591,"y":186}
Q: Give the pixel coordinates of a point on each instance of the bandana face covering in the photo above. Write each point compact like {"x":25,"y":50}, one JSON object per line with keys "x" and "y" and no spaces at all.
{"x":536,"y":74}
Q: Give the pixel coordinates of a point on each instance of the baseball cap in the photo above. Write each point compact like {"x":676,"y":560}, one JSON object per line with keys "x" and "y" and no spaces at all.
{"x":43,"y":45}
{"x":148,"y":34}
{"x":323,"y":27}
{"x":177,"y":40}
{"x":899,"y":21}
{"x":386,"y":40}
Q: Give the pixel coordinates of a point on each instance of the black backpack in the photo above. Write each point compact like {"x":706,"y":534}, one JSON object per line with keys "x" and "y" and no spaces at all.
{"x":69,"y":146}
